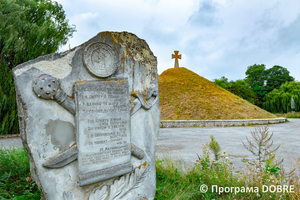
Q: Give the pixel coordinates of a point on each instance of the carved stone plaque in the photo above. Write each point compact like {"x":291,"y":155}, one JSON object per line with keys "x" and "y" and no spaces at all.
{"x":103,"y":129}
{"x":100,"y":59}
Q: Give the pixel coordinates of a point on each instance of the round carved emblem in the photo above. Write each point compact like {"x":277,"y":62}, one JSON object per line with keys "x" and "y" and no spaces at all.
{"x":100,"y":59}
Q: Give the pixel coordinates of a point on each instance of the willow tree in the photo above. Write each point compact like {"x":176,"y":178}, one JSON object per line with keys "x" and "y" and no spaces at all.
{"x":279,"y":100}
{"x":28,"y":29}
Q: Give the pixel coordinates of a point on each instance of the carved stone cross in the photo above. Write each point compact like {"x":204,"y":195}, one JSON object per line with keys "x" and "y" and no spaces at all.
{"x":176,"y":56}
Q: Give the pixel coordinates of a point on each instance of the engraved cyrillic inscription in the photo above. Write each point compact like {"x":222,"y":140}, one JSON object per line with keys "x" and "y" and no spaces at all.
{"x":103,"y":124}
{"x":105,"y":154}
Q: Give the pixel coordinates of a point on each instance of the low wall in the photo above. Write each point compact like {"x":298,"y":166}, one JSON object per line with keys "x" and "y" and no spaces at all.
{"x":218,"y":123}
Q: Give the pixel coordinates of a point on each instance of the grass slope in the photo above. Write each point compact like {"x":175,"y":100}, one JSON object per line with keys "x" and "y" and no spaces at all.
{"x":184,"y":95}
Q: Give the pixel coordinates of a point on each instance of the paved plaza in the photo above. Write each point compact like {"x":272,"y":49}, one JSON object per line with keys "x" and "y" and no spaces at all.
{"x":183,"y":144}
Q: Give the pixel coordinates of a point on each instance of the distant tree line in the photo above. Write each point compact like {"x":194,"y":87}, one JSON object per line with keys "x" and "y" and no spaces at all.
{"x":28,"y":29}
{"x":240,"y":88}
{"x":270,"y":89}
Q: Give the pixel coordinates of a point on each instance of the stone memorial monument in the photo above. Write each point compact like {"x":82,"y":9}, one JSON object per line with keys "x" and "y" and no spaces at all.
{"x":293,"y":105}
{"x":89,"y":119}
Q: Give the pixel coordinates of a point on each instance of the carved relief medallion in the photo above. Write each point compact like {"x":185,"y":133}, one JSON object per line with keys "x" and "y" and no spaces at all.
{"x":100,"y":59}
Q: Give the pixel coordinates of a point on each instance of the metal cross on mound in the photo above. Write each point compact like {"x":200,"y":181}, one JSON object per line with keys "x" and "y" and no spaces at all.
{"x":176,"y":56}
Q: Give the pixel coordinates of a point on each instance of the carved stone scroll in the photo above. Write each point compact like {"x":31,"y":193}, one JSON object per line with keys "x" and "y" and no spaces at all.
{"x":103,"y":129}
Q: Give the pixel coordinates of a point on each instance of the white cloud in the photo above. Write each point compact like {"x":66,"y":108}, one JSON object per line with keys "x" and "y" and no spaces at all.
{"x":215,"y":37}
{"x":88,"y":16}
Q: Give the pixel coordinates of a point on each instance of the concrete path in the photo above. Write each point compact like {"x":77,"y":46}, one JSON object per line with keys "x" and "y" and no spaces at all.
{"x":9,"y":142}
{"x":183,"y":144}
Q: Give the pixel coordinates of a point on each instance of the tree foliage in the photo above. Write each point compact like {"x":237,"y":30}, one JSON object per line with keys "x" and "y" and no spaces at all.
{"x":262,"y":80}
{"x":8,"y":105}
{"x":222,"y":82}
{"x":28,"y":29}
{"x":240,"y":88}
{"x":276,"y":76}
{"x":243,"y":90}
{"x":256,"y":75}
{"x":279,"y":100}
{"x":260,"y":91}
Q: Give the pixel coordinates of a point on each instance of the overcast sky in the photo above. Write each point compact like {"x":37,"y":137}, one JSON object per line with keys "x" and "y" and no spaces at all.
{"x":216,"y":38}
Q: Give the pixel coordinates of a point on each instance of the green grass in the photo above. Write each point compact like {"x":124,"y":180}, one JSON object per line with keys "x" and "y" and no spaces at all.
{"x":14,"y":170}
{"x":173,"y":183}
{"x":173,"y":180}
{"x":289,"y":115}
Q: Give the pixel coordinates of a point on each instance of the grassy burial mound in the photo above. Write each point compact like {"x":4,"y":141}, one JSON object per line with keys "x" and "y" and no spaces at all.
{"x":184,"y":95}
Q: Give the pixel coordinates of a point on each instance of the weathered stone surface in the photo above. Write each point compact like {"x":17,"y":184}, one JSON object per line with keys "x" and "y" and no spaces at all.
{"x":89,"y":119}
